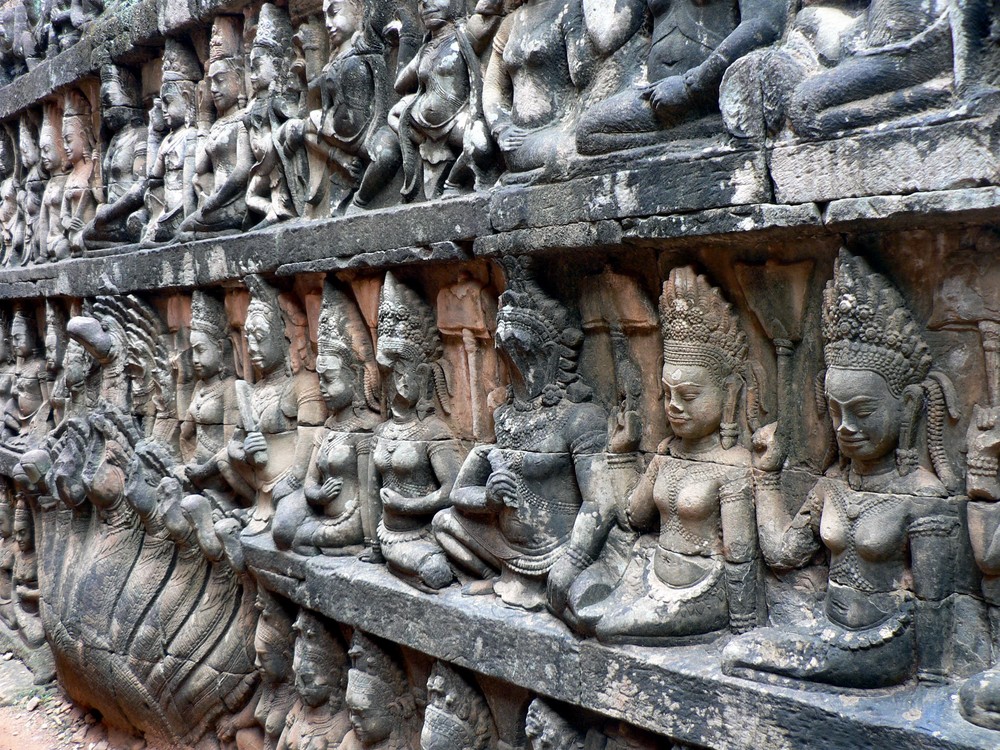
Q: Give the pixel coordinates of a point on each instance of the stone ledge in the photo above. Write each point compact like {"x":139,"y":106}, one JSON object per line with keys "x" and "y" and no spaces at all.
{"x":680,"y":691}
{"x":443,"y":230}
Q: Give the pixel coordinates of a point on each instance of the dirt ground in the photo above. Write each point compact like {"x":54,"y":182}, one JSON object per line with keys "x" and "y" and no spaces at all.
{"x":40,"y":718}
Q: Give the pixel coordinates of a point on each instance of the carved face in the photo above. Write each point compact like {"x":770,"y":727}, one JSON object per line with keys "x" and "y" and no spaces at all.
{"x":51,"y":349}
{"x":116,"y":103}
{"x":74,"y":139}
{"x":51,"y":150}
{"x":312,"y":681}
{"x":175,"y":105}
{"x":265,"y":349}
{"x":6,"y":516}
{"x":271,"y":661}
{"x":22,"y":535}
{"x":224,"y":83}
{"x":405,"y":382}
{"x":6,"y":156}
{"x":76,"y":364}
{"x":341,"y":20}
{"x":27,"y":146}
{"x":866,"y":416}
{"x":336,"y":382}
{"x":263,"y":69}
{"x":522,"y":352}
{"x":693,"y":399}
{"x":370,"y":718}
{"x":21,"y":338}
{"x":206,"y":356}
{"x":436,"y":13}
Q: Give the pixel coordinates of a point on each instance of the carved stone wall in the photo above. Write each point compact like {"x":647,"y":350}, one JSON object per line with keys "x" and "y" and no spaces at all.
{"x":504,"y":374}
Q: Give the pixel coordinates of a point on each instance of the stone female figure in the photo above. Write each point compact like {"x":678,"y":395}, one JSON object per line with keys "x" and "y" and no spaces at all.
{"x":31,"y":186}
{"x":334,"y":512}
{"x":48,"y":235}
{"x":884,"y":518}
{"x":319,"y":719}
{"x":224,"y":158}
{"x":699,"y":573}
{"x":26,"y":605}
{"x":11,"y":234}
{"x":516,"y":502}
{"x":415,"y":457}
{"x":81,"y":190}
{"x":27,"y":416}
{"x":279,"y":415}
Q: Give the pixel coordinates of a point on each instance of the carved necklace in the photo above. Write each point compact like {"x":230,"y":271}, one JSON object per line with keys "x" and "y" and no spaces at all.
{"x":854,"y":509}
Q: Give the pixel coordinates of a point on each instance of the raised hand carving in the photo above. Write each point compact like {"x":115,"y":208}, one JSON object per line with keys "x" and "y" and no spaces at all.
{"x":336,"y":509}
{"x":878,"y":380}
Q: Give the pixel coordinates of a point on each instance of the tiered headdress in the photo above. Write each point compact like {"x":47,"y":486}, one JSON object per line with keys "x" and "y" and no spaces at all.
{"x":126,"y":80}
{"x":226,"y":43}
{"x":314,"y":642}
{"x":457,"y":711}
{"x":699,"y":326}
{"x":274,"y":626}
{"x":376,"y":673}
{"x":343,"y":334}
{"x":180,"y":63}
{"x":274,"y":30}
{"x":867,"y":327}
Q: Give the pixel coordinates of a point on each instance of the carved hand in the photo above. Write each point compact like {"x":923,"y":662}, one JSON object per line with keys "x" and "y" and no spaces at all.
{"x":392,"y":499}
{"x":511,"y":138}
{"x":670,"y":99}
{"x":501,"y":489}
{"x":768,"y":453}
{"x":255,"y":447}
{"x":330,"y":489}
{"x":626,"y":433}
{"x":561,"y":577}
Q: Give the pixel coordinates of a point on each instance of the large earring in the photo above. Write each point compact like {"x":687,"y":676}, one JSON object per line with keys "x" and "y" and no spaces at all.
{"x":906,"y":454}
{"x":729,"y":429}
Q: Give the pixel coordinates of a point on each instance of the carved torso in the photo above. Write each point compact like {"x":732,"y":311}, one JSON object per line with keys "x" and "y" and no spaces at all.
{"x":349,"y":88}
{"x":535,"y":56}
{"x":444,"y":82}
{"x":686,"y":32}
{"x":311,"y":728}
{"x":124,"y":162}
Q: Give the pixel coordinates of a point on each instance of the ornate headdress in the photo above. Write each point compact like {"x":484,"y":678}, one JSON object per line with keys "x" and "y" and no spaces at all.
{"x":457,"y":711}
{"x":315,"y":643}
{"x":22,"y":517}
{"x":343,"y":334}
{"x":867,"y":327}
{"x":407,"y":330}
{"x":56,"y":323}
{"x":699,"y":326}
{"x":127,"y":81}
{"x":208,"y":316}
{"x":376,"y":673}
{"x":274,"y":30}
{"x":23,"y":316}
{"x":541,"y":713}
{"x":180,"y":63}
{"x":274,"y":626}
{"x":264,"y":302}
{"x":226,"y":40}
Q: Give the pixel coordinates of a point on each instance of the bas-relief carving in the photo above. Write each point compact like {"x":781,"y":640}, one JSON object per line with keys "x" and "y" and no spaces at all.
{"x":457,"y":716}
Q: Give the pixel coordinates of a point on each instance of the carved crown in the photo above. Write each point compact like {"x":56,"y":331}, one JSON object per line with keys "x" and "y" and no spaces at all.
{"x":208,"y":316}
{"x":226,"y":40}
{"x":180,"y":62}
{"x":867,"y":326}
{"x":406,"y":325}
{"x":699,"y":326}
{"x":274,"y":29}
{"x":374,"y":671}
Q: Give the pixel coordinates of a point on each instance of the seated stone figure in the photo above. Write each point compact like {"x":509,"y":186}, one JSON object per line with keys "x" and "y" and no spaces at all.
{"x":699,"y":573}
{"x":279,"y":414}
{"x":845,"y":65}
{"x":319,"y":718}
{"x":694,"y":43}
{"x":170,"y":184}
{"x":885,"y":519}
{"x":334,"y":512}
{"x":381,"y":703}
{"x":415,"y":456}
{"x":517,"y":502}
{"x":124,"y":167}
{"x":224,"y":159}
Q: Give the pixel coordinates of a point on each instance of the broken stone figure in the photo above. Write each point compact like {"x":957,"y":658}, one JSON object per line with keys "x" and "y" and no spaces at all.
{"x":516,"y":502}
{"x":224,"y":158}
{"x":457,"y":716}
{"x":885,"y":519}
{"x":698,"y":572}
{"x":8,"y":547}
{"x":547,"y":730}
{"x":31,"y":187}
{"x":11,"y":230}
{"x":335,"y":511}
{"x":415,"y":456}
{"x":212,"y":413}
{"x":170,"y":190}
{"x":279,"y":413}
{"x":437,"y":131}
{"x":121,"y":216}
{"x":845,"y":65}
{"x":319,"y":718}
{"x":274,"y":100}
{"x":382,"y":706}
{"x":693,"y":45}
{"x":83,"y":182}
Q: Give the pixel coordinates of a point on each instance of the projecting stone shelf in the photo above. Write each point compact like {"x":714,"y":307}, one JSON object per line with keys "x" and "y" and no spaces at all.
{"x":680,"y":692}
{"x":467,"y":227}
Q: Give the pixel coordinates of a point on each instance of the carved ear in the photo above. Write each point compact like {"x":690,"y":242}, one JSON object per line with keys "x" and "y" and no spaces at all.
{"x":730,"y":429}
{"x":913,"y":401}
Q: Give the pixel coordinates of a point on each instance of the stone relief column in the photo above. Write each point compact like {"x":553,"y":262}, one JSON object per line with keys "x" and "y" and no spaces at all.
{"x":701,"y":574}
{"x":170,"y":188}
{"x":121,"y":215}
{"x":457,"y":716}
{"x":337,"y":508}
{"x":415,"y":456}
{"x":279,"y":414}
{"x":319,"y":717}
{"x":516,"y":503}
{"x":382,"y":706}
{"x":884,"y":590}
